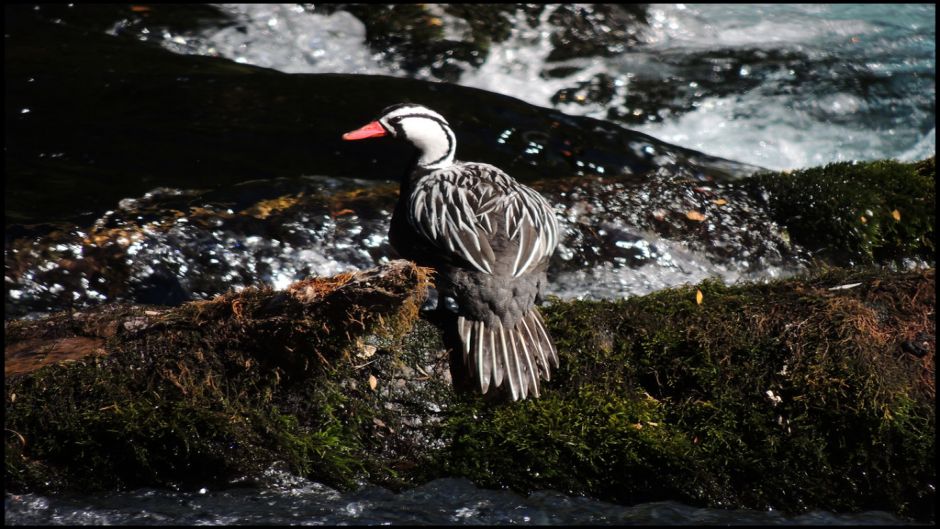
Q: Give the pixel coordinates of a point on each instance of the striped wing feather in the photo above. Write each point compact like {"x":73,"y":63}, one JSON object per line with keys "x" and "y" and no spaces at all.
{"x":460,"y":214}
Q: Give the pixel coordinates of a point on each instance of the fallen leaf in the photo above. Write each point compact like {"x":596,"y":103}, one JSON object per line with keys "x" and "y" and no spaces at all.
{"x":719,"y":202}
{"x":698,"y":297}
{"x":373,"y":382}
{"x":366,"y":351}
{"x":897,"y":215}
{"x":140,"y":9}
{"x":863,"y":219}
{"x":695,"y":215}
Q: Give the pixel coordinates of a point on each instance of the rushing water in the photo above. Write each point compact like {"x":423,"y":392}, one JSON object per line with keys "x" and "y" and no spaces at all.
{"x":443,"y":501}
{"x":781,"y":86}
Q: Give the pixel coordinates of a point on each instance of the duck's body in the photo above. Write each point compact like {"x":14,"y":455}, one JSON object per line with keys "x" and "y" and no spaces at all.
{"x":489,"y":239}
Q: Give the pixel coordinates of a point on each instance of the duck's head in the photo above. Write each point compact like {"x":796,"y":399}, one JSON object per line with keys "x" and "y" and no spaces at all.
{"x":422,"y":127}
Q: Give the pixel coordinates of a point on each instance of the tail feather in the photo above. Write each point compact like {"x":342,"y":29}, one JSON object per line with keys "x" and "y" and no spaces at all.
{"x":463,"y":327}
{"x":534,"y":338}
{"x":478,"y":359}
{"x":496,"y":353}
{"x":477,"y":350}
{"x":548,"y":341}
{"x":515,"y":362}
{"x":531,"y":371}
{"x":505,"y":356}
{"x":512,"y":358}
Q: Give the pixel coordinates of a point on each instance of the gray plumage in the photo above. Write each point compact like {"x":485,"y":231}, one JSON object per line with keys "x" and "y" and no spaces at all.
{"x":489,"y":239}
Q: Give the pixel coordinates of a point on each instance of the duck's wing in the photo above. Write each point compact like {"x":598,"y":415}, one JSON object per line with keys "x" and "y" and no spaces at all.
{"x":477,"y":213}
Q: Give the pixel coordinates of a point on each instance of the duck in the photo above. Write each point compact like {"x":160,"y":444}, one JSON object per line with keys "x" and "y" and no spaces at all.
{"x":489,"y":240}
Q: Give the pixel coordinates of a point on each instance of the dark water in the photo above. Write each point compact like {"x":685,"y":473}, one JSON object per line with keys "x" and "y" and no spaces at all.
{"x":443,"y":501}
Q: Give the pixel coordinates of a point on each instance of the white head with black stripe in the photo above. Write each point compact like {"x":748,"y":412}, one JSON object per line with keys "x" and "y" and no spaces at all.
{"x":422,"y":127}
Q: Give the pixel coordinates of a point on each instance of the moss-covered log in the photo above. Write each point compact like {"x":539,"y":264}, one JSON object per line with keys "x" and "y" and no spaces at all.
{"x":812,"y":392}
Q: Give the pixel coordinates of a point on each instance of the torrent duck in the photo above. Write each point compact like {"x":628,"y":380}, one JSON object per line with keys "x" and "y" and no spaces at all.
{"x":489,"y":239}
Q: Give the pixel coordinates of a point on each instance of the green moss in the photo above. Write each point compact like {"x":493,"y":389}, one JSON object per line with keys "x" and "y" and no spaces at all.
{"x":104,"y":428}
{"x":97,"y":431}
{"x":328,"y":452}
{"x":596,"y":442}
{"x":857,"y":212}
{"x":208,"y":393}
{"x":785,"y":395}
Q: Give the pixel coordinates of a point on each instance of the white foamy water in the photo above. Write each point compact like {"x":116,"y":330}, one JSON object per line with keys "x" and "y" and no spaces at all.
{"x":780,"y":131}
{"x":775,"y":134}
{"x":773,"y":124}
{"x":288,"y":38}
{"x":514,"y":67}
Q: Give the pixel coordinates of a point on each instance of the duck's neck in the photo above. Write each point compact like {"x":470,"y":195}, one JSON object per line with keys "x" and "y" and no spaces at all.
{"x":436,"y":144}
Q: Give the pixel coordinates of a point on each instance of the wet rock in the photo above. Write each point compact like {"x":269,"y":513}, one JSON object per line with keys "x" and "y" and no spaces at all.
{"x":167,"y":246}
{"x":600,"y":90}
{"x":412,"y":36}
{"x":611,"y":220}
{"x":595,"y":29}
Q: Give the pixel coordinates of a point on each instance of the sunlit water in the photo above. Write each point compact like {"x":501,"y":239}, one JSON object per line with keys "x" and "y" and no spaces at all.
{"x":148,"y":251}
{"x":807,"y":84}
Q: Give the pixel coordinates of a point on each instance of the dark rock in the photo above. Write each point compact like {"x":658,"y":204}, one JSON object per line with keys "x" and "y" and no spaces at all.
{"x":595,"y":29}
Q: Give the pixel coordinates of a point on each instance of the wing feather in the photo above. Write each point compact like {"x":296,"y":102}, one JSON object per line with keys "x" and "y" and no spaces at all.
{"x":459,"y":213}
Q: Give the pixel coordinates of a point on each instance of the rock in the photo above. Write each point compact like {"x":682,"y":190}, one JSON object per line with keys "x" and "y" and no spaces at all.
{"x":851,"y":213}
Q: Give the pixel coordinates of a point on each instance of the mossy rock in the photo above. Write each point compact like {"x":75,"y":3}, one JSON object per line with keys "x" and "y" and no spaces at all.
{"x":802,"y":393}
{"x":852,"y":213}
{"x":806,"y":393}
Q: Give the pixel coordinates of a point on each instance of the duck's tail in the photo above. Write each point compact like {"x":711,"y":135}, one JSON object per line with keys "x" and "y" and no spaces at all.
{"x":519,"y":355}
